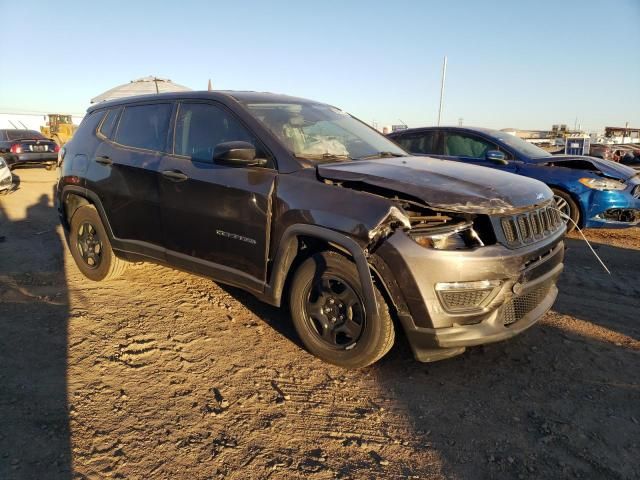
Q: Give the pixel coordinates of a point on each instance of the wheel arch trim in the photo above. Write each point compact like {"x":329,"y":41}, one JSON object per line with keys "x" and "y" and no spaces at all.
{"x":287,"y":251}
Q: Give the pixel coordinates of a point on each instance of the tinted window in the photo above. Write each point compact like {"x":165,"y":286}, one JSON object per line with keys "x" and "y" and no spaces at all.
{"x":106,"y":128}
{"x":462,"y":145}
{"x":200,"y":127}
{"x":18,"y":134}
{"x":89,"y":124}
{"x":144,"y":126}
{"x":424,"y":142}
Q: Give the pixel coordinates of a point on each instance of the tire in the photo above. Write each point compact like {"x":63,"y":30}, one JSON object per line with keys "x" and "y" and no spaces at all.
{"x":90,"y":246}
{"x":567,"y":205}
{"x":329,"y":282}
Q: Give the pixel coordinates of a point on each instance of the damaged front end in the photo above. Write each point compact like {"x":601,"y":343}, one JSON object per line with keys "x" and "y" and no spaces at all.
{"x":457,"y":278}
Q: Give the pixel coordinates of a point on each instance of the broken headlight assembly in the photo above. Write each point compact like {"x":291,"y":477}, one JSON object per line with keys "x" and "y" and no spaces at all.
{"x":459,"y":236}
{"x":603,"y":183}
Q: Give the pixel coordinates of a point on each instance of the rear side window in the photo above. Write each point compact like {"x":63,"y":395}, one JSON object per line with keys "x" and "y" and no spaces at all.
{"x":27,"y":134}
{"x":144,"y":126}
{"x":201,"y":126}
{"x":106,"y":129}
{"x":424,"y":142}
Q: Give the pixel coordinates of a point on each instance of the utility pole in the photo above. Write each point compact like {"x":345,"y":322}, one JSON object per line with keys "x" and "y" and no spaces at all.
{"x":444,"y":75}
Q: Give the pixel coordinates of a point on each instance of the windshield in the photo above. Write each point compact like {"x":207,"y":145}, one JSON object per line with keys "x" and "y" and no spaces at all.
{"x":22,"y":134}
{"x":321,"y":132}
{"x":525,"y":148}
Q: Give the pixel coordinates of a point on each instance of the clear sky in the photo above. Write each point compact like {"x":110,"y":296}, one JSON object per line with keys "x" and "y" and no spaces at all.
{"x":523,"y":64}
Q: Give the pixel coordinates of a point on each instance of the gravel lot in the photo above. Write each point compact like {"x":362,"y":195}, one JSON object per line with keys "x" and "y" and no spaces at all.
{"x":162,"y":374}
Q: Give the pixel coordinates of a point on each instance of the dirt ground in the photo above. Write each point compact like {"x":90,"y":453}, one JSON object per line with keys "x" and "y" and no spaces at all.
{"x":162,"y":374}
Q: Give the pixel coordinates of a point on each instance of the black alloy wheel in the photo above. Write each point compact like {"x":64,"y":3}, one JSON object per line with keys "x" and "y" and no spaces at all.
{"x":334,"y":312}
{"x":89,"y":245}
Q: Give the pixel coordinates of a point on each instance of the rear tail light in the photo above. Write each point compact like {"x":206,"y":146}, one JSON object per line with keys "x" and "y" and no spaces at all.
{"x":16,"y":148}
{"x":56,"y":148}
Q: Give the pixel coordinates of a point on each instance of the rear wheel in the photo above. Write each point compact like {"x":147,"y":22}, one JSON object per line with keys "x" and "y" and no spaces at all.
{"x":328,"y":312}
{"x":567,"y":205}
{"x":90,"y":246}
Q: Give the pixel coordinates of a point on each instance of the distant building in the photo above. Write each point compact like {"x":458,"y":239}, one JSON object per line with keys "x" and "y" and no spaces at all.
{"x":622,"y":134}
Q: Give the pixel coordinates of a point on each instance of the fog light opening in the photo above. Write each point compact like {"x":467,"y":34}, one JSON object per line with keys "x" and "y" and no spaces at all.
{"x":458,"y":297}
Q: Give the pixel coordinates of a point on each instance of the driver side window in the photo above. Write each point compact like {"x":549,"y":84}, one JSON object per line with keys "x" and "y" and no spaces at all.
{"x":201,"y":126}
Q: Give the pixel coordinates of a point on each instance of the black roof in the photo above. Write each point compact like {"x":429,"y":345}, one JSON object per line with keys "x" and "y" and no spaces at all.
{"x":486,"y":131}
{"x":239,"y":96}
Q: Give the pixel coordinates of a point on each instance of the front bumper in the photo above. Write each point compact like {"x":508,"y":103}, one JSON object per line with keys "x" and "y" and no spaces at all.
{"x":6,"y":179}
{"x":528,"y":279}
{"x":613,"y":208}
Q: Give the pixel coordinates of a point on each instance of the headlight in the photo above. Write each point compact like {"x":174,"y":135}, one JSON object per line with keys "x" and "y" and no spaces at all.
{"x":455,"y":237}
{"x":602,"y":183}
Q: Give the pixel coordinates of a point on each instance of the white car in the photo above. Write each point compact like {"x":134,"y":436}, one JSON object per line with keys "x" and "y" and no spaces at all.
{"x":6,"y":179}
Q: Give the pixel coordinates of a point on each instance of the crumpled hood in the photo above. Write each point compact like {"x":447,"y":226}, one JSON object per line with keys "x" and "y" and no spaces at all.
{"x":444,"y":184}
{"x":607,"y":167}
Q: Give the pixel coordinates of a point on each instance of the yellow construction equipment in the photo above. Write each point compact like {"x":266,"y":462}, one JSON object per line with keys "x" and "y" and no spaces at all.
{"x":59,"y":127}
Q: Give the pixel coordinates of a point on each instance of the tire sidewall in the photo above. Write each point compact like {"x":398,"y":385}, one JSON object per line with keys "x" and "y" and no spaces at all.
{"x":573,"y":207}
{"x":90,"y":214}
{"x":367,"y":345}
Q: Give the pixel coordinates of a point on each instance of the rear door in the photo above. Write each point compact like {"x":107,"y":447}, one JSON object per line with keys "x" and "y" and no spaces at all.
{"x":216,"y":218}
{"x":426,"y":142}
{"x":124,"y":173}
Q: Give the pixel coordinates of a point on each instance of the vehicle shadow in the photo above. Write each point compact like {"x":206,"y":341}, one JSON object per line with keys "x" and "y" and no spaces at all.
{"x":557,"y":401}
{"x":561,"y":400}
{"x":276,"y":318}
{"x":34,"y":313}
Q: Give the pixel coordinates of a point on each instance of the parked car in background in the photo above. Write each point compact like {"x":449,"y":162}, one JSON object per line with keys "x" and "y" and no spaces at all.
{"x":6,"y":179}
{"x":617,"y":153}
{"x":593,"y":192}
{"x":298,"y":202}
{"x":27,"y":147}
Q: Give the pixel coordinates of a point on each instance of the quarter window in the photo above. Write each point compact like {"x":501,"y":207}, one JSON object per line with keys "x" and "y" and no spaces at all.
{"x":144,"y":126}
{"x":106,"y":129}
{"x":201,"y":126}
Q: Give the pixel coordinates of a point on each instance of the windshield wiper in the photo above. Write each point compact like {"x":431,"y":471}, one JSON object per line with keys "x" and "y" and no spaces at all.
{"x":381,"y":155}
{"x":322,"y":156}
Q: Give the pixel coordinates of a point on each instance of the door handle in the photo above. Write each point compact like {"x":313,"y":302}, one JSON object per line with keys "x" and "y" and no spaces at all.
{"x":175,"y":175}
{"x":104,"y":160}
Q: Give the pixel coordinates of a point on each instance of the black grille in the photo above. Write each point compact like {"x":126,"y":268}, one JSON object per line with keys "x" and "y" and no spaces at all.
{"x":516,"y":308}
{"x":531,"y":226}
{"x":461,"y":300}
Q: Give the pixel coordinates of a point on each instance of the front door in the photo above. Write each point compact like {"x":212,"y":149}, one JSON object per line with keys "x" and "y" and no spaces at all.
{"x":469,"y":148}
{"x":216,"y":219}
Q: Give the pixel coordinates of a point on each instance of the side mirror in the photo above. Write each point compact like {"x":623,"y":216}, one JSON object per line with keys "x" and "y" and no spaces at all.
{"x":496,"y":156}
{"x":237,"y":154}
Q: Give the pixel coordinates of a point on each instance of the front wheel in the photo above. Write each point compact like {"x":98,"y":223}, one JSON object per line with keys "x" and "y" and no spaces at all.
{"x":90,"y":246}
{"x":328,"y":312}
{"x":569,"y":208}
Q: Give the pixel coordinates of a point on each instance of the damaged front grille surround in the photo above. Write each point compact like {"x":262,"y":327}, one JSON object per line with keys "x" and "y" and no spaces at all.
{"x":529,"y":227}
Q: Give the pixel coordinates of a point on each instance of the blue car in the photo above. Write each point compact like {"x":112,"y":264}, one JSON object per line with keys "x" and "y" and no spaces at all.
{"x":593,"y":192}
